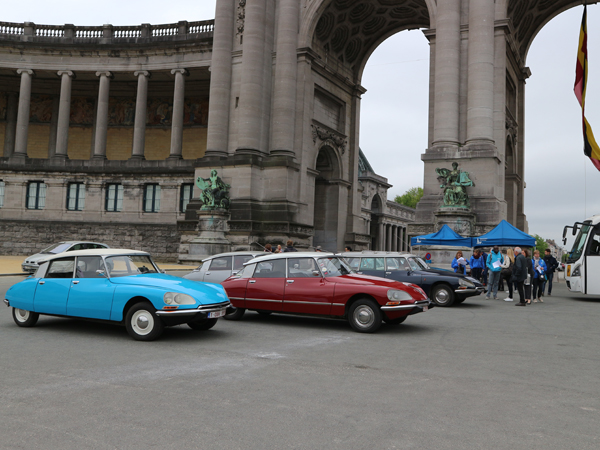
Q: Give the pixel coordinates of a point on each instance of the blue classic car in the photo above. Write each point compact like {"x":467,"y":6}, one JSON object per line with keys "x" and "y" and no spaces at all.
{"x":116,"y":285}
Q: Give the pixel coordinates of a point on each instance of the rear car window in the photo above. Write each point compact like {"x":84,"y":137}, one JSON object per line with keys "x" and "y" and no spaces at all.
{"x":270,"y":269}
{"x":239,"y":260}
{"x":223,"y":263}
{"x":61,"y":268}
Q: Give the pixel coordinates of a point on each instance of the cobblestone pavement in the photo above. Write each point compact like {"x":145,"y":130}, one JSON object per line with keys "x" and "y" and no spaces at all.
{"x":481,"y":375}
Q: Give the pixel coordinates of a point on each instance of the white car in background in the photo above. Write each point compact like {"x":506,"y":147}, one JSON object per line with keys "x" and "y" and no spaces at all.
{"x":218,"y":268}
{"x":31,"y":262}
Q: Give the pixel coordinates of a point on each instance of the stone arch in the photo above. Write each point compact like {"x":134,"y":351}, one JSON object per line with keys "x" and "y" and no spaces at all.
{"x":348,"y":31}
{"x":327,"y":211}
{"x":376,"y":213}
{"x":529,"y":17}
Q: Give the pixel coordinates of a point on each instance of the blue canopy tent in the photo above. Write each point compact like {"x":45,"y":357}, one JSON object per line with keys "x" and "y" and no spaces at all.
{"x":504,"y":235}
{"x":445,"y":236}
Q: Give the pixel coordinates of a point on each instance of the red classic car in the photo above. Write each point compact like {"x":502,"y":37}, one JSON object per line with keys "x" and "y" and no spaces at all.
{"x":321,"y":284}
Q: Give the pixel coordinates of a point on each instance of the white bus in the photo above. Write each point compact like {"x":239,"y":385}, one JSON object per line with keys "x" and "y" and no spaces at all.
{"x":583,"y":261}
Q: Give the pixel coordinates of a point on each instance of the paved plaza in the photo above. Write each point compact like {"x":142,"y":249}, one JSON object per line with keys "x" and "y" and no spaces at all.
{"x":481,"y":375}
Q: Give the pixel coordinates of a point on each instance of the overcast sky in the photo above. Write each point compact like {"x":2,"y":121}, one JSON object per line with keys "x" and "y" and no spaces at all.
{"x":562,"y":185}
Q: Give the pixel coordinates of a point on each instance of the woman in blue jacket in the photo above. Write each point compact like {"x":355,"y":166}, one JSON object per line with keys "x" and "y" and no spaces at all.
{"x":459,"y":268}
{"x":539,"y":276}
{"x":477,"y":264}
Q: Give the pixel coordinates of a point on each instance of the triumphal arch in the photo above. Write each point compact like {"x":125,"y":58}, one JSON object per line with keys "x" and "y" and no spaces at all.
{"x":112,"y":124}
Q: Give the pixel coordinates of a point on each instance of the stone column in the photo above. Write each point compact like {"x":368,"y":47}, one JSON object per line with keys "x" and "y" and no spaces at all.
{"x":12,"y":106}
{"x":141,"y":106}
{"x":447,"y":74}
{"x":64,"y":114}
{"x":22,"y":127}
{"x":286,"y":68}
{"x":480,"y":90}
{"x":401,"y":238}
{"x":53,"y":126}
{"x":381,"y":237}
{"x":217,"y":140}
{"x":102,"y":115}
{"x":388,"y":246}
{"x":394,"y":238}
{"x":177,"y":117}
{"x":252,"y":88}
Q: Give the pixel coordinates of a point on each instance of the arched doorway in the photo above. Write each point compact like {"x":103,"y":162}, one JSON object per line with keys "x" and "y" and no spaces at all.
{"x":376,"y":210}
{"x":327,"y":201}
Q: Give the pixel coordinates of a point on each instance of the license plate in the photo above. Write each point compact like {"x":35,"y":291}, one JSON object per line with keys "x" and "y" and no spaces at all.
{"x":215,"y":314}
{"x":425,"y":308}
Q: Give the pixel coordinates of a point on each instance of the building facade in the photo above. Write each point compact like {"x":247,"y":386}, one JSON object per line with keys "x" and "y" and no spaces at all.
{"x":268,"y":94}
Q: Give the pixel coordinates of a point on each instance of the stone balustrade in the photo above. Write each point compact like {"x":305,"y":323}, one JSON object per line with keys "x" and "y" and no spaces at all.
{"x":105,"y":34}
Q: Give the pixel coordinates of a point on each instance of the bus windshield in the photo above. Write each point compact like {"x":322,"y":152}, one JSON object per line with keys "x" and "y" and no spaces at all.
{"x":579,"y":244}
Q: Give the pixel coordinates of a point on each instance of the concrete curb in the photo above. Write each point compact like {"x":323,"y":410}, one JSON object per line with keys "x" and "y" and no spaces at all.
{"x":14,"y":274}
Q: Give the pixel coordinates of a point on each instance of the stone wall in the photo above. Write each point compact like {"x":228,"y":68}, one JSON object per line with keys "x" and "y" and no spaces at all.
{"x":26,"y":238}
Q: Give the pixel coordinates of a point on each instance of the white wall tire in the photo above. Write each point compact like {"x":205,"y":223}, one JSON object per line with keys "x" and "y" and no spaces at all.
{"x":24,"y":318}
{"x":142,"y":323}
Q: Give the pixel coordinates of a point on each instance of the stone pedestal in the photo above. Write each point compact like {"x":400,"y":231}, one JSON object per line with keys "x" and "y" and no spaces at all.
{"x":209,"y":238}
{"x":461,"y":220}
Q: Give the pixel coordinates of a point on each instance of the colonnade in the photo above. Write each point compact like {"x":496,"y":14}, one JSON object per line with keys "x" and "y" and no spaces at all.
{"x":391,"y":238}
{"x":17,"y":126}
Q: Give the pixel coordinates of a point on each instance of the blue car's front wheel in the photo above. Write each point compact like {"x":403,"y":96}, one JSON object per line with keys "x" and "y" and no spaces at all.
{"x":24,"y":318}
{"x":142,"y":323}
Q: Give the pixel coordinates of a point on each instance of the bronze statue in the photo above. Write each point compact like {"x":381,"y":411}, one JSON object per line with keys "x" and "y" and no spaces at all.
{"x":214,"y":193}
{"x":454,"y":183}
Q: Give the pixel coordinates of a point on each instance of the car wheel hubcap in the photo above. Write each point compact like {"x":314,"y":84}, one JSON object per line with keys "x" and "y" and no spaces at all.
{"x":22,"y":315}
{"x":442,"y":296}
{"x":363,"y":316}
{"x":142,"y":322}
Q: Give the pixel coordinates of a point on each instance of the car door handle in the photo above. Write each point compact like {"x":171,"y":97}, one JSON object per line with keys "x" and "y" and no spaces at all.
{"x":252,"y":281}
{"x":207,"y":273}
{"x":75,"y":282}
{"x":360,"y":273}
{"x":290,"y":281}
{"x":42,"y":282}
{"x":388,"y":273}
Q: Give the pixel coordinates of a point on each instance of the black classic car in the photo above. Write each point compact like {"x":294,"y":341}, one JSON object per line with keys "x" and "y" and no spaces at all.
{"x":444,"y":287}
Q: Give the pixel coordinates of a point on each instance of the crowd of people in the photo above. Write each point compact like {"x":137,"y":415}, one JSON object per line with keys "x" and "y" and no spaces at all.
{"x":517,"y":269}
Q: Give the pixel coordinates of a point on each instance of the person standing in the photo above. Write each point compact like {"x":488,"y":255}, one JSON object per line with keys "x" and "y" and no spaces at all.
{"x":268,"y":248}
{"x":484,"y":255}
{"x":539,"y":271}
{"x":529,"y":278}
{"x":506,"y":272}
{"x":551,"y":266}
{"x":519,"y":275}
{"x":459,"y":263}
{"x":289,"y":246}
{"x":278,"y":249}
{"x":494,"y":263}
{"x":476,"y":262}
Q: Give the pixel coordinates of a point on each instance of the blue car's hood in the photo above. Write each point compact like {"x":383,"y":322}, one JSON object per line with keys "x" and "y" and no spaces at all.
{"x":171,"y":283}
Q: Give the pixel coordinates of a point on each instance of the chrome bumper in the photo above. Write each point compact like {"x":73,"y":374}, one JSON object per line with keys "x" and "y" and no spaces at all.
{"x":420,"y":303}
{"x":6,"y":302}
{"x":470,"y":291}
{"x":202,"y":309}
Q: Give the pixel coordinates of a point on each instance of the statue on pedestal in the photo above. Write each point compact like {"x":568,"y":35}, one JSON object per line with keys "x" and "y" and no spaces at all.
{"x":214,"y":193}
{"x":454,"y":183}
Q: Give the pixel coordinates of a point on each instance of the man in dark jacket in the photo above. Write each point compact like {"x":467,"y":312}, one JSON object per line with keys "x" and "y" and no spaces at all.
{"x":551,"y":265}
{"x":290,"y":247}
{"x":519,"y":275}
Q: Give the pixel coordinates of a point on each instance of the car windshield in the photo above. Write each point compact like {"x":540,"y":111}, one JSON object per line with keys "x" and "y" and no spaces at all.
{"x":334,"y":267}
{"x":56,"y":248}
{"x":126,"y":265}
{"x":423,"y":263}
{"x":414,"y":265}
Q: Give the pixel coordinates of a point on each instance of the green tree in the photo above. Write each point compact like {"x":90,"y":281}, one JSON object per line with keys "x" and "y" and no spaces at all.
{"x":410,"y":198}
{"x":540,"y":244}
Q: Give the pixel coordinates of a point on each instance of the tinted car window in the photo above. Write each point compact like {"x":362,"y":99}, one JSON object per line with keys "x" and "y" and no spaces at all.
{"x":61,"y":268}
{"x":302,"y":267}
{"x":87,"y":266}
{"x":270,"y":269}
{"x":239,"y":260}
{"x":397,"y":264}
{"x":223,"y":263}
{"x":372,"y":264}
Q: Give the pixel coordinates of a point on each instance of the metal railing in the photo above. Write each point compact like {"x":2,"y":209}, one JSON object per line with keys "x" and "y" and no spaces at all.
{"x":105,"y":34}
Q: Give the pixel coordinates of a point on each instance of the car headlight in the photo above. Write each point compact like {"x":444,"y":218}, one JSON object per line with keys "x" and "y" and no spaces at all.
{"x":466,"y":283}
{"x":174,"y":298}
{"x":397,"y":295}
{"x":576,"y":271}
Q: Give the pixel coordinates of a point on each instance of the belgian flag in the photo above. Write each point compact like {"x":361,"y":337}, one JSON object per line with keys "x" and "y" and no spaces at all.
{"x":590,"y":147}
